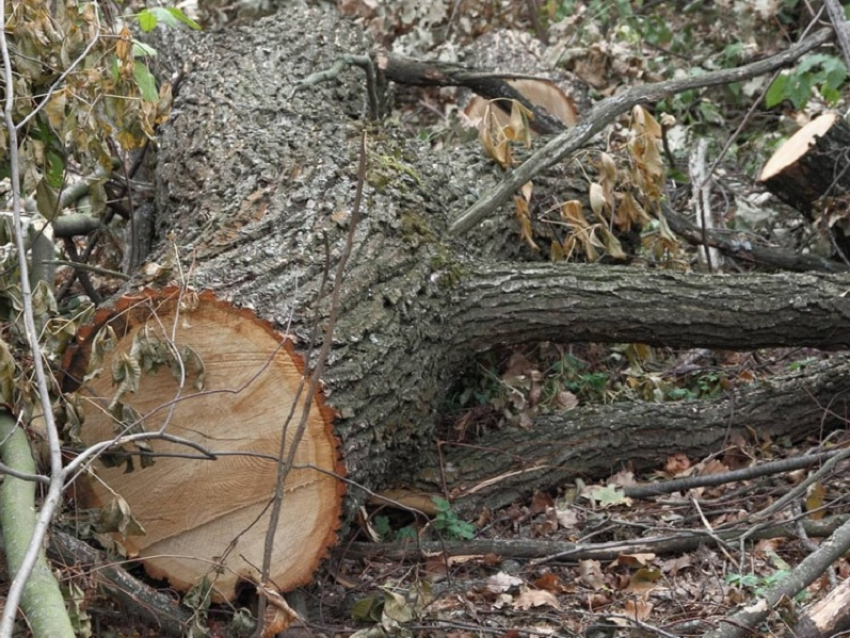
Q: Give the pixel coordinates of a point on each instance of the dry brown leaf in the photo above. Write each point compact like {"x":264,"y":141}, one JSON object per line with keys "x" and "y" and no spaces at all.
{"x":644,"y":580}
{"x":564,"y":400}
{"x":590,"y":573}
{"x":542,"y":93}
{"x":567,"y":517}
{"x":623,"y":478}
{"x":529,"y":598}
{"x":637,"y":609}
{"x":677,"y":464}
{"x":502,"y":582}
{"x":712,"y":467}
{"x":517,"y":129}
{"x":814,"y":501}
{"x":523,"y":216}
{"x":675,"y":565}
{"x":635,"y":560}
{"x":278,"y":615}
{"x":549,"y":582}
{"x":598,"y":201}
{"x":767,"y":547}
{"x":541,"y":502}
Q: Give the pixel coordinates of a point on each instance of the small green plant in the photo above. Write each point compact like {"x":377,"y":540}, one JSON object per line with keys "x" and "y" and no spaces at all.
{"x":759,"y":585}
{"x":572,"y":374}
{"x":382,"y":525}
{"x":755,"y":583}
{"x":449,"y":523}
{"x":826,"y":72}
{"x":795,"y":366}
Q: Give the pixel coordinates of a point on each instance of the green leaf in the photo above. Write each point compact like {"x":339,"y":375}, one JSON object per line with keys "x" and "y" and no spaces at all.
{"x":182,"y":17}
{"x":146,"y":82}
{"x":174,"y":17}
{"x":776,"y":93}
{"x":142,"y":50}
{"x":147,"y":20}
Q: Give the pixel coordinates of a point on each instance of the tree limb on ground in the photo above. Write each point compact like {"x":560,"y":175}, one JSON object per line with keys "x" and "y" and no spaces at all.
{"x":543,"y":551}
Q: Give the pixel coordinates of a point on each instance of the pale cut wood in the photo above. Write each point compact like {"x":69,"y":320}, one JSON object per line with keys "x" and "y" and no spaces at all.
{"x":205,"y":515}
{"x":811,"y":164}
{"x":796,"y":147}
{"x":828,"y":617}
{"x":810,"y":172}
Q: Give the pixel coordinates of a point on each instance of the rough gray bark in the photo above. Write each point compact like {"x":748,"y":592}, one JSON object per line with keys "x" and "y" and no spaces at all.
{"x":255,"y":180}
{"x":599,"y":441}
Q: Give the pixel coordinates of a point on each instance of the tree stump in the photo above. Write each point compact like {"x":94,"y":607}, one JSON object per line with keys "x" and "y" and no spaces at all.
{"x":810,"y":173}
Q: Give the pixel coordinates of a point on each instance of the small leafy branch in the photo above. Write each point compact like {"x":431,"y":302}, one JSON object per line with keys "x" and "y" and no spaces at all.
{"x":825,"y":72}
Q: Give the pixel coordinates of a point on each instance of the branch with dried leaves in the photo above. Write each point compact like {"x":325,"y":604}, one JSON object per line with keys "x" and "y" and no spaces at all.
{"x":608,"y":110}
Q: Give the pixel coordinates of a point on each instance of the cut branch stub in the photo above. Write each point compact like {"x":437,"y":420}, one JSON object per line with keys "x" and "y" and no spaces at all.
{"x":811,"y":172}
{"x":810,"y":164}
{"x":240,"y":397}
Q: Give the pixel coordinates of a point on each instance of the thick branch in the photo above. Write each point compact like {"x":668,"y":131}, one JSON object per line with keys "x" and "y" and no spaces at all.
{"x":520,"y":303}
{"x":605,"y":113}
{"x":596,"y":441}
{"x":41,"y":600}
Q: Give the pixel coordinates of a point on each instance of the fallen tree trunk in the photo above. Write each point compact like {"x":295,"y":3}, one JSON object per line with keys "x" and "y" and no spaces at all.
{"x":255,"y":186}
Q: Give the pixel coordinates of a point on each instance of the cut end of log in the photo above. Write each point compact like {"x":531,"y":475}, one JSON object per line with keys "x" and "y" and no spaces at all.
{"x":796,"y":147}
{"x":242,"y":395}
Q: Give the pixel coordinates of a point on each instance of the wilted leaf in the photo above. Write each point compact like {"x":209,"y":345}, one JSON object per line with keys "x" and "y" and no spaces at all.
{"x":644,"y":579}
{"x":814,"y":501}
{"x":590,"y":574}
{"x":677,"y":464}
{"x":501,"y":582}
{"x":368,"y":609}
{"x":606,"y":496}
{"x":8,"y":371}
{"x":598,"y":201}
{"x":529,"y":598}
{"x":637,"y":609}
{"x":549,"y":582}
{"x":396,"y":608}
{"x":55,"y":109}
{"x":524,"y":218}
{"x":46,"y":200}
{"x":567,"y":517}
{"x":115,"y":517}
{"x":612,"y":245}
{"x":517,"y":129}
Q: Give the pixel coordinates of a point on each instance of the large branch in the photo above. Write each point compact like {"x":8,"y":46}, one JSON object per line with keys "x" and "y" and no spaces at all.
{"x":597,"y":441}
{"x":609,"y":109}
{"x":519,"y":303}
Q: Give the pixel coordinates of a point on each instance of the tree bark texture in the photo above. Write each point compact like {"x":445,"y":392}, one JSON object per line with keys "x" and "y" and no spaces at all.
{"x":255,"y":182}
